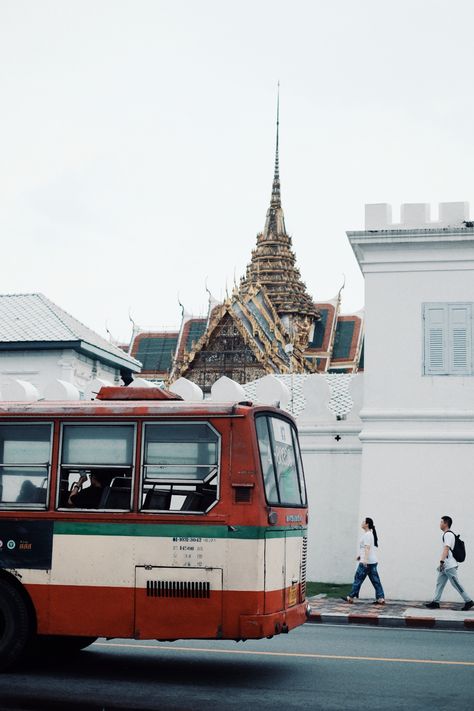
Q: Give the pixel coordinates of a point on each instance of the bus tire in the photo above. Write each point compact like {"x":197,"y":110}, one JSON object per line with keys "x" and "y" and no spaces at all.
{"x":15,"y":624}
{"x":60,"y":644}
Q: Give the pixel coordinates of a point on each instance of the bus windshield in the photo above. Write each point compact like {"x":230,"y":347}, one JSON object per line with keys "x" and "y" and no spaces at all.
{"x":281,"y":462}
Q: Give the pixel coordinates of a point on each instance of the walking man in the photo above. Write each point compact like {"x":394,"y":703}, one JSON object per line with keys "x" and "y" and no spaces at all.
{"x":448,"y":568}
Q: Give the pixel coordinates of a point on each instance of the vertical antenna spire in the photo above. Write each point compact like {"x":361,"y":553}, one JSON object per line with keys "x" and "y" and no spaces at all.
{"x":276,"y":177}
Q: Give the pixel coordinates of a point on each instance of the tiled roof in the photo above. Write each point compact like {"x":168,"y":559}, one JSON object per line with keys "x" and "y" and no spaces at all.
{"x":195,"y":329}
{"x":32,"y":318}
{"x":155,"y":350}
{"x":191,"y":331}
{"x":343,"y":340}
{"x":323,"y":329}
{"x":346,"y":342}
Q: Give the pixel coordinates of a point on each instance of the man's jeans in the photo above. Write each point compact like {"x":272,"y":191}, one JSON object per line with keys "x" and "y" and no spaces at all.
{"x":450,"y":574}
{"x":360,"y":575}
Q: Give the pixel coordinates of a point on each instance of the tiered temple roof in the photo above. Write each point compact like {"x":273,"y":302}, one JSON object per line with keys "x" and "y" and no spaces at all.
{"x":273,"y":262}
{"x":270,"y":324}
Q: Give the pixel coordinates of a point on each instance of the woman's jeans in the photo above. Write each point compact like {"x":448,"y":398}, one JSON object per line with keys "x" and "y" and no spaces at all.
{"x":360,"y":575}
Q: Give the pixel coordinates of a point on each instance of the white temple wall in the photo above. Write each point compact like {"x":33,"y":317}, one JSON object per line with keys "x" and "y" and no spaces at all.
{"x":332,"y":471}
{"x":418,"y":430}
{"x":407,"y":487}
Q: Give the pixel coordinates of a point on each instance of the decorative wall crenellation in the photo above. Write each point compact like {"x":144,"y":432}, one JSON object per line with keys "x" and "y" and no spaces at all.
{"x":378,"y":216}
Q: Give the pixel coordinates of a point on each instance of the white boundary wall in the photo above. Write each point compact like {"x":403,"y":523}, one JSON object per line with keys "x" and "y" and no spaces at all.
{"x":332,"y":460}
{"x":418,"y":430}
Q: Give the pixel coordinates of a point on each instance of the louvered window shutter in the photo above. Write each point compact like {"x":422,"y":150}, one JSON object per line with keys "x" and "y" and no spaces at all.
{"x":460,"y":356}
{"x":436,"y":339}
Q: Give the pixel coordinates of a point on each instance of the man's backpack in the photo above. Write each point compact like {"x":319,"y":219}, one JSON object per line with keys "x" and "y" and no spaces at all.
{"x":459,"y":548}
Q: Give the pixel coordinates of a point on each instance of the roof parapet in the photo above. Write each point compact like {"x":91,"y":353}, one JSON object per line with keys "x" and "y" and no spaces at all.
{"x":378,"y":216}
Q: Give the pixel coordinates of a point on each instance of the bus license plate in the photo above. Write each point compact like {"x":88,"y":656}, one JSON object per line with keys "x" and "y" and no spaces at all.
{"x":292,"y":594}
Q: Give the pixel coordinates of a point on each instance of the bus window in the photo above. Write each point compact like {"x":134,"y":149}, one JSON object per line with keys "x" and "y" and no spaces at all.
{"x":96,"y":467}
{"x":266,"y":459}
{"x":180,"y":467}
{"x":24,"y":465}
{"x":299,"y":462}
{"x":281,"y":462}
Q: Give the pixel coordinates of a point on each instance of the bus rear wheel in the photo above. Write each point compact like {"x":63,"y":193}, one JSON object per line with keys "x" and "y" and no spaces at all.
{"x":59,"y":644}
{"x":15,"y":625}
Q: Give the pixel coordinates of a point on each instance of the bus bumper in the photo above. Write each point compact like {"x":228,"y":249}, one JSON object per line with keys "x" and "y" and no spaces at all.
{"x":258,"y":626}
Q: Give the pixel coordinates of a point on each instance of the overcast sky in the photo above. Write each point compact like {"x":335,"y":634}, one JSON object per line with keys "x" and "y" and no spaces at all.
{"x":137,"y":141}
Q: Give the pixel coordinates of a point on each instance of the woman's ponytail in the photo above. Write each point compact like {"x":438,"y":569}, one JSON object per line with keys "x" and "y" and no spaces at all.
{"x":370,"y":524}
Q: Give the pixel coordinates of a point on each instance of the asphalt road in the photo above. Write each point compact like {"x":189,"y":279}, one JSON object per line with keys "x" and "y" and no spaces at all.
{"x":314,"y":667}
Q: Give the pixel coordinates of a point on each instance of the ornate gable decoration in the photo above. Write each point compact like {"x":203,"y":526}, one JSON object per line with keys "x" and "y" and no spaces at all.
{"x":245,"y":339}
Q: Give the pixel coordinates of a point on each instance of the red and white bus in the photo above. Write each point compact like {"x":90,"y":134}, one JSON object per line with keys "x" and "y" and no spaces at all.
{"x":141,"y":516}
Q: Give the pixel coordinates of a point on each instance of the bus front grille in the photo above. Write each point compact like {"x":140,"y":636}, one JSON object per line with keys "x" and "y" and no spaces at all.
{"x":167,"y":588}
{"x":304,"y":556}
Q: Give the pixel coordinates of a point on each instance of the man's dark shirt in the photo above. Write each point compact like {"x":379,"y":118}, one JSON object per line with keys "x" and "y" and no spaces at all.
{"x":88,"y":498}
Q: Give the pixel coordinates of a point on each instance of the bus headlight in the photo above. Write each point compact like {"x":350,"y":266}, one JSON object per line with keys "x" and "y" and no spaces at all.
{"x":272,"y":518}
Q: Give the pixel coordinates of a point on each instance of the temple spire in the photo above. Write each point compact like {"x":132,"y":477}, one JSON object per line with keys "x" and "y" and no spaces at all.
{"x":276,"y":202}
{"x":275,"y":221}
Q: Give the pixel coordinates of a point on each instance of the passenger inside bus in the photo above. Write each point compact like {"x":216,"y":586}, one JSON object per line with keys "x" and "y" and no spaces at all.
{"x":27,"y":493}
{"x":106,"y":489}
{"x":89,"y":497}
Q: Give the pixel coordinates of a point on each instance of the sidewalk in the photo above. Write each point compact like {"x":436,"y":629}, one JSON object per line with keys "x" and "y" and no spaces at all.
{"x":396,"y":613}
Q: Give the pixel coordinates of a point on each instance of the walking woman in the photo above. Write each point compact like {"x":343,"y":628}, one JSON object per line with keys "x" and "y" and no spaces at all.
{"x":367,"y":564}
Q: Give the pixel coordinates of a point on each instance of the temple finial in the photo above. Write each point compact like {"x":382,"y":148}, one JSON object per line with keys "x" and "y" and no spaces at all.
{"x":276,"y":176}
{"x":277,"y":166}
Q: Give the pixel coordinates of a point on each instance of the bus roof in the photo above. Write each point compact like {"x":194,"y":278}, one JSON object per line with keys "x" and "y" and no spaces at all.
{"x":129,"y":408}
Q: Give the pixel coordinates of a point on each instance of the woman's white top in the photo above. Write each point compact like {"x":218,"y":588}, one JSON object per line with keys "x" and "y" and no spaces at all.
{"x":367,"y":539}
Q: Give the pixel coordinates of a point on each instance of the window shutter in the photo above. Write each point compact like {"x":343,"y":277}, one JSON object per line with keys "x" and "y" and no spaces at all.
{"x":436,"y":339}
{"x":460,"y":339}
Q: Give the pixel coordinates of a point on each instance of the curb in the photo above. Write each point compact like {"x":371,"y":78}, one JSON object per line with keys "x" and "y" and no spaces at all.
{"x":412,"y":622}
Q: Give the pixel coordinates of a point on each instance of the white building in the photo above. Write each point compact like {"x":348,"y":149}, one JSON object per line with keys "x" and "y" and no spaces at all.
{"x":418,"y":413}
{"x":45,"y":352}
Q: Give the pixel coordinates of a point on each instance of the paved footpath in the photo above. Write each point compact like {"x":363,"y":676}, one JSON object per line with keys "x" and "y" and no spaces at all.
{"x":395,"y":613}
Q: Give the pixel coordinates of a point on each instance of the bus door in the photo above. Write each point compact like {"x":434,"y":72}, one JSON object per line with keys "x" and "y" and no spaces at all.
{"x":283,"y":566}
{"x":178,"y":602}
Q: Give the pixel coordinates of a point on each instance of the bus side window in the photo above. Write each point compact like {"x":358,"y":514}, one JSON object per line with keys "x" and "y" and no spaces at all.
{"x":180,"y":467}
{"x":266,"y":459}
{"x":24,"y":465}
{"x":96,"y":467}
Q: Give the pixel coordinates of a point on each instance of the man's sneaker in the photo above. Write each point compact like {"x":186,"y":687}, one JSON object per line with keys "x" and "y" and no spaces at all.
{"x":468,"y":605}
{"x":433,"y":605}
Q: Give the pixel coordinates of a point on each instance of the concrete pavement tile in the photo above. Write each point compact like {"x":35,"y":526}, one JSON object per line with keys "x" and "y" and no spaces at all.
{"x":397,"y":613}
{"x":441,"y":614}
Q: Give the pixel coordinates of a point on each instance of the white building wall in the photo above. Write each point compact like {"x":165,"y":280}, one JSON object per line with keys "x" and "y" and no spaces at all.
{"x":418,"y":431}
{"x":332,"y":470}
{"x":42,"y":367}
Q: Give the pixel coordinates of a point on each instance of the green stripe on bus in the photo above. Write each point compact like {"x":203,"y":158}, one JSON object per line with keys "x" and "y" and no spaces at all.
{"x":166,"y":530}
{"x":288,"y":532}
